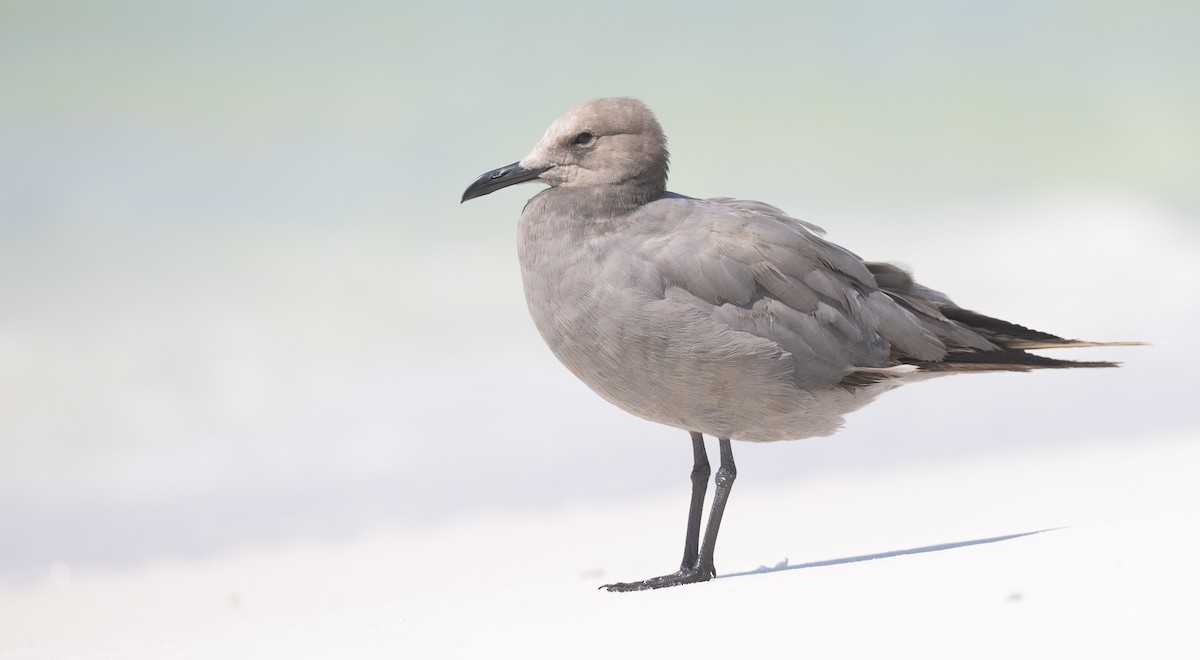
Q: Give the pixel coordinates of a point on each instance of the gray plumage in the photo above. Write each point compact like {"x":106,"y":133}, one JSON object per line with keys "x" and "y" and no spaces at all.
{"x":721,"y":316}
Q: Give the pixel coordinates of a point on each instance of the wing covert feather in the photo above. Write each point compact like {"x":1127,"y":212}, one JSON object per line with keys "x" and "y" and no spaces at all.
{"x":759,"y":271}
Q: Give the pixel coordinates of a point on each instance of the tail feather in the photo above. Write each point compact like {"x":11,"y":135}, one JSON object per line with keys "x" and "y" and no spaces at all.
{"x":1005,"y":360}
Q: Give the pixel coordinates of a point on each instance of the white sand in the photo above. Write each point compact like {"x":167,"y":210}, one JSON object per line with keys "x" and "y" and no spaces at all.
{"x":1115,"y":576}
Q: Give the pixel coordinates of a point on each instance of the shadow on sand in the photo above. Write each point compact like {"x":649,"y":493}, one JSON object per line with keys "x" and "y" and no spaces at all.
{"x":784,"y":566}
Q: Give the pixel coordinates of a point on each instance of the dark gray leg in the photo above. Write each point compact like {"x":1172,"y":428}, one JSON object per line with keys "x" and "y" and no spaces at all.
{"x":725,"y":476}
{"x":700,"y":474}
{"x":700,"y":568}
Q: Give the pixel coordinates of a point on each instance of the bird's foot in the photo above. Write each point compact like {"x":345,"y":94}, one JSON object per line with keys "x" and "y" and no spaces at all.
{"x":682,"y":576}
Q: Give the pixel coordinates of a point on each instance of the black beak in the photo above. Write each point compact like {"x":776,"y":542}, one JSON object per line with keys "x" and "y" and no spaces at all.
{"x":501,"y":177}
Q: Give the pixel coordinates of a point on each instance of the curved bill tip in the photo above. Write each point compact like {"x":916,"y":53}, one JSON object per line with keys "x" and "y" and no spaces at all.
{"x":501,"y":177}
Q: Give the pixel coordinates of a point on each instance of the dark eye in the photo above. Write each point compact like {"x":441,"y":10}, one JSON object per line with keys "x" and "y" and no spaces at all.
{"x":585,"y":138}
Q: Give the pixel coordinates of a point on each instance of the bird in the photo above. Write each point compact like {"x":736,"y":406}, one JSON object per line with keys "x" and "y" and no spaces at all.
{"x":721,"y":317}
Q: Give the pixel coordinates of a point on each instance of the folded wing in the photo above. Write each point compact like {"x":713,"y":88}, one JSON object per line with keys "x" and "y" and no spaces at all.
{"x":844,"y":321}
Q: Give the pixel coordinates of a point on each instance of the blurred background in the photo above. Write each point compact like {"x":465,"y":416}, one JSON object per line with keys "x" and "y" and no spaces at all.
{"x":240,"y":305}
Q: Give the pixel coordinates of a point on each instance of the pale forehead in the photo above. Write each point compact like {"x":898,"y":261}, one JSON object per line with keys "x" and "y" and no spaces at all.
{"x":607,"y":116}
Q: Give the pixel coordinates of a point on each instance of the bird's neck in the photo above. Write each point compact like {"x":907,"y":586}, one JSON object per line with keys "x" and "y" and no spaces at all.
{"x":602,"y":202}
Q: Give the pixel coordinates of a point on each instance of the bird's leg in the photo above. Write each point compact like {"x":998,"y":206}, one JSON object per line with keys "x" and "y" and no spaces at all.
{"x":725,"y":477}
{"x":700,"y":474}
{"x":697,"y":565}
